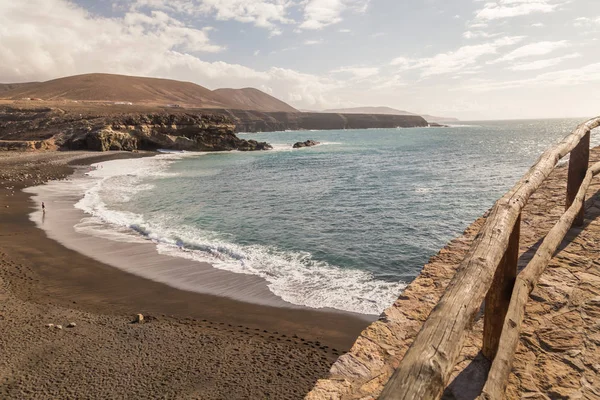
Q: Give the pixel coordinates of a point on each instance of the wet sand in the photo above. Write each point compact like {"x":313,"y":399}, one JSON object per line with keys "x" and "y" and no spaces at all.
{"x":192,"y":345}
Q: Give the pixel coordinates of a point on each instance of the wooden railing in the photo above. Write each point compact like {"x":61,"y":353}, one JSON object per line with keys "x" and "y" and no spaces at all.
{"x":490,"y":270}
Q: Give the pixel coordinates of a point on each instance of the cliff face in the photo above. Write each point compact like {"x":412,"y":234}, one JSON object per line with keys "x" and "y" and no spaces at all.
{"x":104,"y":128}
{"x":122,"y":132}
{"x":256,"y":121}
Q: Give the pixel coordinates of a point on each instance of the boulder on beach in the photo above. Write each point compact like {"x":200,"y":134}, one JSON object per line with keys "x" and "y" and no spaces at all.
{"x":308,"y":143}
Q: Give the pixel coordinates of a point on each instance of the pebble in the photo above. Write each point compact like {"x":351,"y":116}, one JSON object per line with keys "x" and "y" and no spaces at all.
{"x":49,"y":325}
{"x":71,"y":325}
{"x":139,"y":318}
{"x":58,"y":326}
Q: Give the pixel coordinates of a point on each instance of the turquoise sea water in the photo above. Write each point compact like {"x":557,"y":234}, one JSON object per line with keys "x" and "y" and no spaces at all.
{"x":345,"y":224}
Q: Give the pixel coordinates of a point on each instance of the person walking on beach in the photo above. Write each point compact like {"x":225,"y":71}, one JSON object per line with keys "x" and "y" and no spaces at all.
{"x":43,"y":208}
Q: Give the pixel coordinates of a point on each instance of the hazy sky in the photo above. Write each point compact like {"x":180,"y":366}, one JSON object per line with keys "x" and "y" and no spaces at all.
{"x":471,"y":59}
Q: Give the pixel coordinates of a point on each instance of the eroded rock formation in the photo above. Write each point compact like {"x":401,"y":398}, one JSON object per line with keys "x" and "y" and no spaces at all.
{"x":308,"y":143}
{"x":121,"y":132}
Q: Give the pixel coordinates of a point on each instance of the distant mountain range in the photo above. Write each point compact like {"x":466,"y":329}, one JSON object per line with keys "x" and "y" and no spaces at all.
{"x":139,"y":90}
{"x":369,"y":110}
{"x":388,"y":111}
{"x":163,"y":92}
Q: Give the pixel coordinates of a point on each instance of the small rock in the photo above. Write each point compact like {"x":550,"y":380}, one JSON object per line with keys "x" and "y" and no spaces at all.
{"x":58,"y":326}
{"x":71,"y":325}
{"x":139,"y":318}
{"x":49,"y":325}
{"x":308,"y":143}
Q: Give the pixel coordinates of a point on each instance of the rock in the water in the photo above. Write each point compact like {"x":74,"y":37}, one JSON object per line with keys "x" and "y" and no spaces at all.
{"x":71,"y":325}
{"x":436,"y":125}
{"x":308,"y":143}
{"x":139,"y":318}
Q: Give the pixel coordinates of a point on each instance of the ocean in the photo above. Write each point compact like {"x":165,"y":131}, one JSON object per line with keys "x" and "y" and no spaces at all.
{"x":344,"y":225}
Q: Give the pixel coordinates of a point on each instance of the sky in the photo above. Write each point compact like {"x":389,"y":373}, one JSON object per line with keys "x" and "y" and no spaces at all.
{"x":471,"y":59}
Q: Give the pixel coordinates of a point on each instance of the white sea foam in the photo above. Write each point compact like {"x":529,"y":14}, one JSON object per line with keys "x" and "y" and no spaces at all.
{"x":329,"y":143}
{"x":294,"y":276}
{"x":423,"y":190}
{"x":462,"y":126}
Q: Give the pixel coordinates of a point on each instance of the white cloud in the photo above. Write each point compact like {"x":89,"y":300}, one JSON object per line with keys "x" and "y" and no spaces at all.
{"x":313,"y":42}
{"x":499,"y":9}
{"x":33,"y":46}
{"x":304,"y":90}
{"x":533,"y":49}
{"x":537,"y":25}
{"x":344,"y":30}
{"x":478,"y":34}
{"x":319,"y":14}
{"x":586,"y":22}
{"x":357,"y":72}
{"x":541,"y":64}
{"x":569,"y":77}
{"x":462,"y":59}
{"x":261,"y":13}
{"x":48,"y":38}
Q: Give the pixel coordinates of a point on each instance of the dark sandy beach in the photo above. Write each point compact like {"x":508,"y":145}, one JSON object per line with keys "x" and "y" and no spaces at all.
{"x":190,"y":346}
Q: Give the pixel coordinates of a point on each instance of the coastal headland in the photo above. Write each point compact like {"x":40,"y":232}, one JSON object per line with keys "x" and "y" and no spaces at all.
{"x":119,"y":106}
{"x":189,"y":345}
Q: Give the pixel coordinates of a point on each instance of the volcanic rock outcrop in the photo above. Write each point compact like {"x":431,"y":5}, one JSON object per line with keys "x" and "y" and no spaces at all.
{"x":308,"y":143}
{"x":193,"y":132}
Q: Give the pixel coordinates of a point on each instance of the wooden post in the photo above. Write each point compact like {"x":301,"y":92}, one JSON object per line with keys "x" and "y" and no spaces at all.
{"x":578,"y":165}
{"x":498,"y":297}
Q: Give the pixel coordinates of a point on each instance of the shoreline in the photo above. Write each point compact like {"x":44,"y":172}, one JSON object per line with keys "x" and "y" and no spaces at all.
{"x":40,"y":273}
{"x":140,"y":257}
{"x":131,"y":252}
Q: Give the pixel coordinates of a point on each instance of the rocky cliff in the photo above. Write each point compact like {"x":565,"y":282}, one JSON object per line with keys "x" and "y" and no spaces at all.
{"x":68,"y":130}
{"x":256,"y":121}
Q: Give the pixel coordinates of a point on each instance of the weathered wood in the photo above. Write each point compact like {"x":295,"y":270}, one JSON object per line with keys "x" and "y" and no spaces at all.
{"x":578,"y":165}
{"x":501,"y":366}
{"x":428,"y":363}
{"x":498,"y":297}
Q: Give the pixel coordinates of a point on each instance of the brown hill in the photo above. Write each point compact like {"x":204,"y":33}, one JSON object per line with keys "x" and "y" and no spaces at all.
{"x":140,"y":90}
{"x":108,"y":87}
{"x":253,"y":99}
{"x":9,"y":86}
